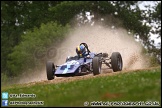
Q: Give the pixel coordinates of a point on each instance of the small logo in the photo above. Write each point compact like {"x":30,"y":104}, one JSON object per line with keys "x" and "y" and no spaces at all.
{"x":5,"y":95}
{"x":4,"y":102}
{"x":86,"y":103}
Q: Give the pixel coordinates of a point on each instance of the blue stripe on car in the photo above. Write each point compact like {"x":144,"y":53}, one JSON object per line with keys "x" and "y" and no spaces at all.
{"x":66,"y":69}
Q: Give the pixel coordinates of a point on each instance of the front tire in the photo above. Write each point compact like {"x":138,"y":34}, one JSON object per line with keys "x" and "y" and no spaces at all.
{"x":96,"y":65}
{"x":50,"y":69}
{"x":116,"y":61}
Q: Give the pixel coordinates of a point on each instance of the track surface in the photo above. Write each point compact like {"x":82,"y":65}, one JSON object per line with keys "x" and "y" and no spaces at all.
{"x":105,"y":72}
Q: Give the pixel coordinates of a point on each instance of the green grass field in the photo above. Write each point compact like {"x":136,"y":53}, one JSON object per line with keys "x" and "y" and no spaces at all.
{"x":141,"y":85}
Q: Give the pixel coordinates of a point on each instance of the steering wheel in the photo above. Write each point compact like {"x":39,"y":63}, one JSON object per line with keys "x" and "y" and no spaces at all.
{"x":86,"y":46}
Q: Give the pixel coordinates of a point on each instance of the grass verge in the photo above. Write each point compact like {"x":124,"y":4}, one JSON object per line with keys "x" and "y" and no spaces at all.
{"x":138,"y":86}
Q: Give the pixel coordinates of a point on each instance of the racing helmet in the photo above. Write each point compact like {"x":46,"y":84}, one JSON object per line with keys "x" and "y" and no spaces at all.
{"x":81,"y":51}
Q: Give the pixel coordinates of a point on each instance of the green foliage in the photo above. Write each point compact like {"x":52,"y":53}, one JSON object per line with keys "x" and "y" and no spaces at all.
{"x":66,"y":10}
{"x":4,"y":79}
{"x":17,"y":17}
{"x":7,"y":80}
{"x":153,"y":61}
{"x":23,"y":56}
{"x":141,"y":85}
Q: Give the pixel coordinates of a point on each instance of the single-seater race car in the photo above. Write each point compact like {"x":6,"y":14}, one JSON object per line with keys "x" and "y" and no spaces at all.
{"x":92,"y":63}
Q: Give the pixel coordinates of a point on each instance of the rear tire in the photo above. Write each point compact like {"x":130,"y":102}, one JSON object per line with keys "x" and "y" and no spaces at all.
{"x":50,"y":69}
{"x":96,"y":65}
{"x":116,"y":61}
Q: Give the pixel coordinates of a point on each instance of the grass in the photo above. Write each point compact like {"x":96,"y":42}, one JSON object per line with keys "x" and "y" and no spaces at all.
{"x":142,"y":85}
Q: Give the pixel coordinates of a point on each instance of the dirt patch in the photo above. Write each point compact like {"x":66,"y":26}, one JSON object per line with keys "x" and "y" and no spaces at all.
{"x":70,"y":79}
{"x":111,"y":95}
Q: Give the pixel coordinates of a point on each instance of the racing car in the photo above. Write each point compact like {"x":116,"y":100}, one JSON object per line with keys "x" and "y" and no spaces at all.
{"x":92,"y":63}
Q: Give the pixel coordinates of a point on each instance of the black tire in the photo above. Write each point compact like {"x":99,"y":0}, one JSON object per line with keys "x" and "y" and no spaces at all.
{"x":116,"y":61}
{"x":96,"y":66}
{"x":50,"y":69}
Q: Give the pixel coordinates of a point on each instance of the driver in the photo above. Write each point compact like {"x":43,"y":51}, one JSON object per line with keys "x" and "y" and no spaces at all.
{"x":81,"y":51}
